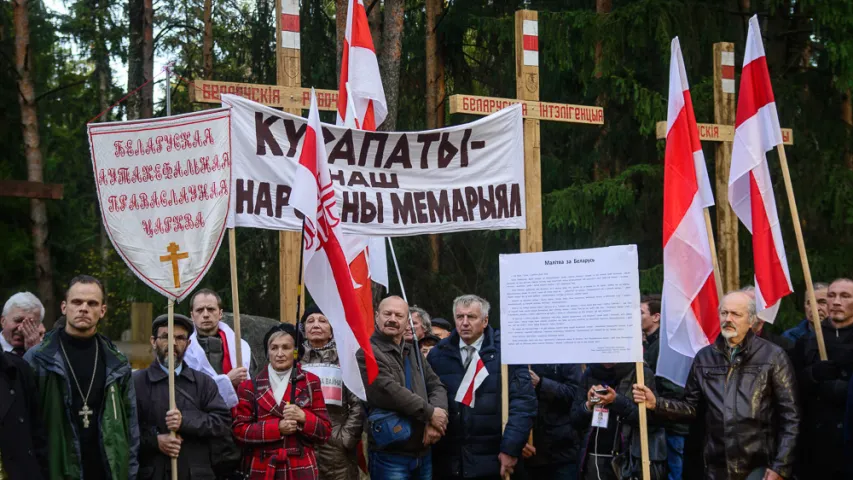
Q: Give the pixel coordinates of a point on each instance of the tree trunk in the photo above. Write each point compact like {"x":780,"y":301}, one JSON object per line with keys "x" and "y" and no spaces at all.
{"x":602,"y":167}
{"x":389,"y":60}
{"x":435,"y":88}
{"x":207,"y":41}
{"x":340,"y":30}
{"x":140,"y":62}
{"x":101,"y":58}
{"x":32,"y":151}
{"x":374,"y":19}
{"x":847,"y":118}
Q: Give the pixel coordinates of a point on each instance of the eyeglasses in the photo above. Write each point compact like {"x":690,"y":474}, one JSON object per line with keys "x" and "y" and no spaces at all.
{"x":178,"y":338}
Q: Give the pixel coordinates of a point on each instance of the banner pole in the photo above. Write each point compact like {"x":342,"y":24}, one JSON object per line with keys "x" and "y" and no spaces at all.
{"x":801,"y":246}
{"x":172,"y":406}
{"x":644,"y":426}
{"x":235,"y":298}
{"x":505,"y":401}
{"x":713,"y":245}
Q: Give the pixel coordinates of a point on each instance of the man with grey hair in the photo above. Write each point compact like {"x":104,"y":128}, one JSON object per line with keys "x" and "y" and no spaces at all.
{"x":421,"y":320}
{"x":493,"y":453}
{"x":748,"y":390}
{"x":21,"y":322}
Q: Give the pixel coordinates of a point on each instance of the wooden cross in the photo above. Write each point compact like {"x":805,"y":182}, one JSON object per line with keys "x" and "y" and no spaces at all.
{"x":723,"y":132}
{"x":173,"y":257}
{"x":24,"y":189}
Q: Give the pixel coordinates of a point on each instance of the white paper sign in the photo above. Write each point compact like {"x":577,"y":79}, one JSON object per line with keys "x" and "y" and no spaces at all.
{"x":573,"y":306}
{"x":330,"y":381}
{"x":164,"y":187}
{"x":465,"y":177}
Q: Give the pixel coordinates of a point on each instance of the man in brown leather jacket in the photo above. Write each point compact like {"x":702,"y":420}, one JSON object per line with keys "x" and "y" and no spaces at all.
{"x":748,"y":389}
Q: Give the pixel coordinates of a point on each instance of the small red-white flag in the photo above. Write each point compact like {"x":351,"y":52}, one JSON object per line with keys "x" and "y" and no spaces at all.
{"x":689,"y":300}
{"x":750,"y":187}
{"x":472,"y":380}
{"x":327,"y":273}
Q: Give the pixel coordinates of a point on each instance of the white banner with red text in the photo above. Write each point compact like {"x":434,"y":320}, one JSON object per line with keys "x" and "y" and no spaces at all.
{"x":164,"y":187}
{"x":465,"y":177}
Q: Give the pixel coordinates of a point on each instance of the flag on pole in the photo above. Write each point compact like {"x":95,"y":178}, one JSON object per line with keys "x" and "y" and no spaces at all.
{"x":362,"y":105}
{"x":750,"y":187}
{"x":360,"y":68}
{"x":326,"y":271}
{"x":689,"y":299}
{"x":474,"y":377}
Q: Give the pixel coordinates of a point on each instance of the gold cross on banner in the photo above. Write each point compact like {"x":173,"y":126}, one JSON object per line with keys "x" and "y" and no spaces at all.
{"x":173,"y":257}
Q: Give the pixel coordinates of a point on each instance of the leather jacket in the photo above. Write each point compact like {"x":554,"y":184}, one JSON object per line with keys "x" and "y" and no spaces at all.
{"x":752,"y":417}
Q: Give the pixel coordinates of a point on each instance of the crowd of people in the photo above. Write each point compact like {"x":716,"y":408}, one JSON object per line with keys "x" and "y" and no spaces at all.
{"x":755,"y":406}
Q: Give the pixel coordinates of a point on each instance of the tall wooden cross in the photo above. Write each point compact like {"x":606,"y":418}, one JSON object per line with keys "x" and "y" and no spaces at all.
{"x":723,"y":132}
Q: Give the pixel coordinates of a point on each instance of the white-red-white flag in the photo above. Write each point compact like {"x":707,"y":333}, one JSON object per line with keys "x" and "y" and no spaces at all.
{"x":750,"y":187}
{"x":362,"y":105}
{"x":689,"y":300}
{"x":474,"y":377}
{"x":327,"y":273}
{"x":360,"y":68}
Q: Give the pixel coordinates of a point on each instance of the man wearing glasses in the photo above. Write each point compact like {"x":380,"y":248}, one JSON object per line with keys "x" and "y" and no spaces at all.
{"x":200,"y":416}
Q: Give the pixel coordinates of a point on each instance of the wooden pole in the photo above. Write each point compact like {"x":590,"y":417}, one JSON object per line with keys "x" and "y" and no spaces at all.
{"x":724,"y":113}
{"x":235,"y":298}
{"x":644,"y":426}
{"x":172,"y":406}
{"x":801,"y":246}
{"x":713,"y":245}
{"x":288,"y":74}
{"x":505,"y":401}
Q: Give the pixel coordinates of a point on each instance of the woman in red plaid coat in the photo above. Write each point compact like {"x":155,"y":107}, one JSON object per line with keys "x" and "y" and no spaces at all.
{"x":281,"y":430}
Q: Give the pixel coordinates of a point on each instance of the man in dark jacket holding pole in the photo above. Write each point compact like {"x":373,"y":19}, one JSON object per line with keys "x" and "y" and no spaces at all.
{"x":748,"y":389}
{"x":406,"y":390}
{"x":474,"y":446}
{"x":554,"y":451}
{"x":200,"y":416}
{"x":823,"y":386}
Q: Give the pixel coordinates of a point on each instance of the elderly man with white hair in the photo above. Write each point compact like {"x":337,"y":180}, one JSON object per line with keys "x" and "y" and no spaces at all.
{"x":21,"y":322}
{"x":748,"y":390}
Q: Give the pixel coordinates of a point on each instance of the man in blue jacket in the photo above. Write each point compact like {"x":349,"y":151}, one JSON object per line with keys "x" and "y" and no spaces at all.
{"x":474,"y":446}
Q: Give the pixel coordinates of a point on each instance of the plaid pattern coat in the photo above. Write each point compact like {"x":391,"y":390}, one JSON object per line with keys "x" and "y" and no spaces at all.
{"x":271,"y":455}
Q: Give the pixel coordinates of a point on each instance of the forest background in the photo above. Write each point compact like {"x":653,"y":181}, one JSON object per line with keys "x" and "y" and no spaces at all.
{"x":601,"y":186}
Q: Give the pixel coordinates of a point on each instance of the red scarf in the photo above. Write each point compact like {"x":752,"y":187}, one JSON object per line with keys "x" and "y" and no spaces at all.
{"x":226,"y":355}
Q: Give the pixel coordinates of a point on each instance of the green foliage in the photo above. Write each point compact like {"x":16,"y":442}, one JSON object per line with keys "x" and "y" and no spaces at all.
{"x":601,"y":186}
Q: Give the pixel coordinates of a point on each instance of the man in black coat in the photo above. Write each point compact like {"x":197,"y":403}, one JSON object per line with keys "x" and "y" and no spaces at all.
{"x":554,"y":452}
{"x":823,"y":387}
{"x":748,"y":388}
{"x":200,"y":418}
{"x":23,"y":446}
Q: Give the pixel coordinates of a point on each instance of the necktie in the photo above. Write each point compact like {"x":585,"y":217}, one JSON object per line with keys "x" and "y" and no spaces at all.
{"x":470,"y":351}
{"x":19,"y":351}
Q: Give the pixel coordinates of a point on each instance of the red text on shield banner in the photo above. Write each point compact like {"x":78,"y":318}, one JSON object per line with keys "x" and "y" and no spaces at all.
{"x":172,"y":223}
{"x":166,"y":170}
{"x":168,"y":198}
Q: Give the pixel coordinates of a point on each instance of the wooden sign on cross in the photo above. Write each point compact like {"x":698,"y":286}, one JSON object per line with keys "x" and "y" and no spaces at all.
{"x":723,"y":132}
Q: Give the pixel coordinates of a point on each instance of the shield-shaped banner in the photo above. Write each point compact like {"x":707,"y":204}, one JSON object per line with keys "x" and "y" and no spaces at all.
{"x":164,"y":186}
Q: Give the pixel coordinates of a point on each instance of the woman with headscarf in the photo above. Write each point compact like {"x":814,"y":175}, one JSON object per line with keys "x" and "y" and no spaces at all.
{"x":281,"y":415}
{"x":337,"y":458}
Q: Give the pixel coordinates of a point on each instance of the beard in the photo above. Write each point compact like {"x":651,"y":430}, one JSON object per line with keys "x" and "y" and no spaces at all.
{"x":163,"y":356}
{"x":727,"y":333}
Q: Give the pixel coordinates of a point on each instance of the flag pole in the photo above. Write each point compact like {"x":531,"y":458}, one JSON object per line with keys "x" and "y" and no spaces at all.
{"x":411,"y":322}
{"x":644,"y":426}
{"x":300,"y":287}
{"x":713,"y":246}
{"x":801,"y":246}
{"x":171,"y":308}
{"x":235,"y":298}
